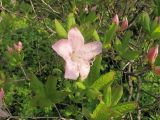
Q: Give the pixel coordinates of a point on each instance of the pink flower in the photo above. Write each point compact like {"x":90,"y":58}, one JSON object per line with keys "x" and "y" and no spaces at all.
{"x":157,"y":70}
{"x":76,"y":54}
{"x":18,"y":47}
{"x":10,"y":50}
{"x":115,"y":20}
{"x":124,"y":25}
{"x":152,"y":54}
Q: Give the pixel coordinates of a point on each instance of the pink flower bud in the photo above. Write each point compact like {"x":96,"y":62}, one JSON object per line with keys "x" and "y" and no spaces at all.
{"x":115,"y":20}
{"x":1,"y":93}
{"x":18,"y":47}
{"x":10,"y":50}
{"x":124,"y":25}
{"x":152,"y":54}
{"x":157,"y":70}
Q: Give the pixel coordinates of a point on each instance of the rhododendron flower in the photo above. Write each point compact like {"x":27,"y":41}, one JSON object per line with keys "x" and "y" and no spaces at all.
{"x":3,"y":113}
{"x":152,"y":54}
{"x":18,"y":47}
{"x":76,"y":54}
{"x":157,"y":70}
{"x":115,"y":19}
{"x":124,"y":25}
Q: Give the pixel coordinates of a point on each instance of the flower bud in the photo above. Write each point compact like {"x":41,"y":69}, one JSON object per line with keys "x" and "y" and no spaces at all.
{"x":157,"y":70}
{"x":124,"y":25}
{"x":115,"y":20}
{"x":18,"y":47}
{"x":1,"y":93}
{"x":10,"y":50}
{"x":152,"y":54}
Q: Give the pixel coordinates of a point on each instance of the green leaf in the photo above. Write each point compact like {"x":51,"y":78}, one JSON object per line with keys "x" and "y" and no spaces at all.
{"x":91,"y":17}
{"x":145,"y":20}
{"x":126,"y":39}
{"x":51,"y":92}
{"x":110,"y":34}
{"x":156,"y":32}
{"x":130,"y":55}
{"x":103,"y":80}
{"x":71,"y":21}
{"x":95,"y":35}
{"x":50,"y":85}
{"x":60,"y":29}
{"x":101,"y":112}
{"x":41,"y":101}
{"x":121,"y":109}
{"x":36,"y":85}
{"x":95,"y":70}
{"x":117,"y":92}
{"x":108,"y":95}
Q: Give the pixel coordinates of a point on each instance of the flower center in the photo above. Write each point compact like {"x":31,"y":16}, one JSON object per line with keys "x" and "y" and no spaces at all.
{"x":76,"y":57}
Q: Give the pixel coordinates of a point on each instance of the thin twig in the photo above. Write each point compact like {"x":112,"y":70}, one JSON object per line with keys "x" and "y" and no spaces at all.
{"x":59,"y":114}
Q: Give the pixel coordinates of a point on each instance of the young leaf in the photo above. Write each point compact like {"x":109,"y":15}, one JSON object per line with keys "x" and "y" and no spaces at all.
{"x":60,"y":29}
{"x":95,"y":70}
{"x":36,"y":85}
{"x":95,"y":35}
{"x":103,"y":80}
{"x":71,"y":21}
{"x":117,"y":92}
{"x":146,"y":22}
{"x":101,"y":112}
{"x":110,"y":34}
{"x":108,"y":95}
{"x":121,"y":109}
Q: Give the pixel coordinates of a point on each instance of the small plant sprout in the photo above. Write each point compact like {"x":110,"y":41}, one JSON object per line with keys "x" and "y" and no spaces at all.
{"x":76,"y":54}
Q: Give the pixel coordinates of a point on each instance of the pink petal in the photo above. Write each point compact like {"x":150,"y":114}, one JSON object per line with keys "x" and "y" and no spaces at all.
{"x":84,"y":68}
{"x":90,"y":50}
{"x":75,"y":38}
{"x":71,"y":70}
{"x":63,"y":48}
{"x":152,"y":54}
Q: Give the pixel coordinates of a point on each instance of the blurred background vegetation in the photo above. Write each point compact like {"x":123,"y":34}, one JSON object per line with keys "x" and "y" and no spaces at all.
{"x":32,"y":22}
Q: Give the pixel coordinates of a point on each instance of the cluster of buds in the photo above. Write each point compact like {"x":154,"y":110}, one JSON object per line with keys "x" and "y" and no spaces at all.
{"x":124,"y":24}
{"x":16,"y":47}
{"x":151,"y":56}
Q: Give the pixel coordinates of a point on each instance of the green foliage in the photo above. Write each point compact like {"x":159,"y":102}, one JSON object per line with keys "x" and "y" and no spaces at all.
{"x":60,"y":29}
{"x":103,"y":80}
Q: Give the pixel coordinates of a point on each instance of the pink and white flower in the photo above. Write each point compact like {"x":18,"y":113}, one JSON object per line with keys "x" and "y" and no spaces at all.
{"x":76,"y":54}
{"x":18,"y":47}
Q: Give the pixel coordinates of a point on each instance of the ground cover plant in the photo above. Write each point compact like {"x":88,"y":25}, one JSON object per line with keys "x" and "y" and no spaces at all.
{"x":79,"y":59}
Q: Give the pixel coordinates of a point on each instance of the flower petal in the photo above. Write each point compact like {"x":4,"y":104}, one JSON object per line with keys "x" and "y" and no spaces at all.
{"x":90,"y":50}
{"x":71,"y":70}
{"x":75,"y":38}
{"x":84,"y":68}
{"x":63,"y":48}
